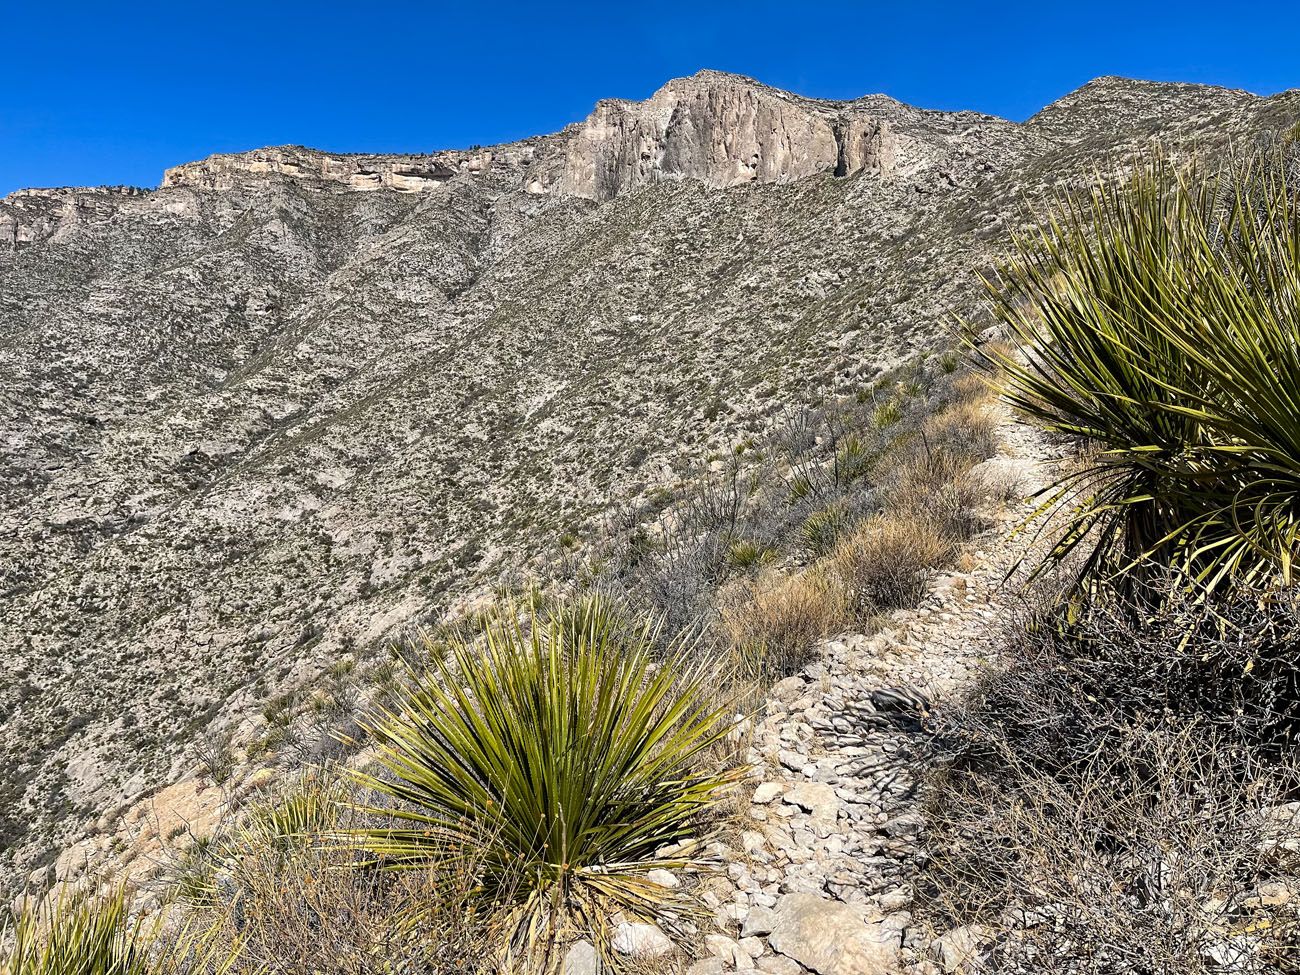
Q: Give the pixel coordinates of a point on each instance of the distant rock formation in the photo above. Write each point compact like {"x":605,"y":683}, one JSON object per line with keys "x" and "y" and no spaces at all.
{"x":721,"y":130}
{"x":405,"y":173}
{"x":717,"y":128}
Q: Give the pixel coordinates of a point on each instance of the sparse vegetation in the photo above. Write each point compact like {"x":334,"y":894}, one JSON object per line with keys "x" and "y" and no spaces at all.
{"x":1118,"y":793}
{"x":846,"y":517}
{"x":1113,"y":777}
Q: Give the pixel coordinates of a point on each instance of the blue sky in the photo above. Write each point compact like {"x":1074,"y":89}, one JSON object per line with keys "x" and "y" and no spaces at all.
{"x":113,"y":93}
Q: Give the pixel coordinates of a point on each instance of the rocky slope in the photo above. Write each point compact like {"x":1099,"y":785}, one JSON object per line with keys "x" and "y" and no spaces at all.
{"x":290,"y":403}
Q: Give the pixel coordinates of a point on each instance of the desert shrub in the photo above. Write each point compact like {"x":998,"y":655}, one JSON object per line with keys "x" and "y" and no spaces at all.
{"x":821,"y":529}
{"x":773,"y":624}
{"x":1149,"y":859}
{"x":1102,"y":793}
{"x":934,"y":489}
{"x":215,"y":756}
{"x":807,"y":482}
{"x":886,"y":414}
{"x":1160,"y":323}
{"x":566,"y":759}
{"x":1114,"y":662}
{"x":745,"y":554}
{"x":297,"y":904}
{"x":853,"y":460}
{"x":964,"y":429}
{"x":881,"y":564}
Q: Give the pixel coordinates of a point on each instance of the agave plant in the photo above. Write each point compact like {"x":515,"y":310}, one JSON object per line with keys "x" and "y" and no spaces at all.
{"x":563,"y":756}
{"x":1159,"y":319}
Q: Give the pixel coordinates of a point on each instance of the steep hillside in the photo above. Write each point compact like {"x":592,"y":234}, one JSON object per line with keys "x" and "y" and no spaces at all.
{"x":290,"y":402}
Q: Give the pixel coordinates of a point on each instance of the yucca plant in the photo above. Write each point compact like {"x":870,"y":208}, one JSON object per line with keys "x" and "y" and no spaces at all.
{"x":84,"y":934}
{"x":563,"y":755}
{"x":76,"y":936}
{"x":1159,"y":319}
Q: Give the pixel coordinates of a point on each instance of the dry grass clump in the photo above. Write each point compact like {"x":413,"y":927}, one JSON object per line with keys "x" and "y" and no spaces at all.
{"x":296,"y":905}
{"x":965,"y":429}
{"x":774,"y":622}
{"x":881,"y":565}
{"x":1102,"y":804}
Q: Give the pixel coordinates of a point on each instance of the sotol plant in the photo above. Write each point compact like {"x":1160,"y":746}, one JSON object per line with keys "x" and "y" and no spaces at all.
{"x":566,"y":757}
{"x":1160,"y":319}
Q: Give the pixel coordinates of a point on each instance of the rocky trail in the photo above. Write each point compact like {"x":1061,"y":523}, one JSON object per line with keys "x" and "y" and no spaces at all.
{"x":824,"y":880}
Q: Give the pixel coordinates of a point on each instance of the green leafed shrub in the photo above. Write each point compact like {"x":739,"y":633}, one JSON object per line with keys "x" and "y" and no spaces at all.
{"x":1160,"y":322}
{"x":853,"y":460}
{"x":821,"y":529}
{"x":886,"y":414}
{"x":567,"y":754}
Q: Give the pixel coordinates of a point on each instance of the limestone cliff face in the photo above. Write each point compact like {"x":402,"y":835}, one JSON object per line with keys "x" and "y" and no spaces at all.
{"x":346,"y":171}
{"x":28,"y":216}
{"x":716,"y":128}
{"x":721,"y":130}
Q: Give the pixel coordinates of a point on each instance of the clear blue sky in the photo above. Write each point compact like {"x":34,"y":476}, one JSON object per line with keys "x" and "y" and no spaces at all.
{"x":115,"y":92}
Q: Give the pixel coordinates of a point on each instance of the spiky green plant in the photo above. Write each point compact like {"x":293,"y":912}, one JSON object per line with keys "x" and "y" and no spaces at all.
{"x":745,"y":554}
{"x":1160,"y":321}
{"x":95,"y":935}
{"x":886,"y":414}
{"x":566,"y":754}
{"x":76,"y":936}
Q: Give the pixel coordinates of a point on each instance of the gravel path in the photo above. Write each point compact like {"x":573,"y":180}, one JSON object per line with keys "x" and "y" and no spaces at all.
{"x":825,"y":878}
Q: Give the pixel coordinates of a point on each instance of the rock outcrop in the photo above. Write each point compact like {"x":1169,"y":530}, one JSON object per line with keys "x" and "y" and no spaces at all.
{"x":716,"y":128}
{"x":27,"y":216}
{"x":347,"y":171}
{"x":721,"y":130}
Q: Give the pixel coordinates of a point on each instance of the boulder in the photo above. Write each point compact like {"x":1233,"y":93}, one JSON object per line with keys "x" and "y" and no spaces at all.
{"x":960,"y":951}
{"x":759,"y":921}
{"x":832,"y":938}
{"x":818,"y":800}
{"x":729,"y":951}
{"x":581,"y":959}
{"x":641,"y":940}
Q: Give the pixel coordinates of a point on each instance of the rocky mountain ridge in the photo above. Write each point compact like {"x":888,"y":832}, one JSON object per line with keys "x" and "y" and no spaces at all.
{"x":269,"y":415}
